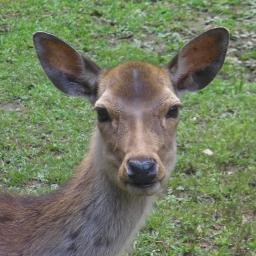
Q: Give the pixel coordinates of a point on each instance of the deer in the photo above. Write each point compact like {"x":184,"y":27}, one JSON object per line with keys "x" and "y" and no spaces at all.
{"x":132,"y":153}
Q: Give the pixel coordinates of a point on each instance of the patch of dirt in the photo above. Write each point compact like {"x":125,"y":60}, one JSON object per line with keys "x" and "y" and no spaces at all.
{"x":207,"y":245}
{"x":229,"y":168}
{"x":190,"y":170}
{"x":242,"y":42}
{"x":10,"y":14}
{"x":12,"y":106}
{"x":5,"y":28}
{"x":248,"y":217}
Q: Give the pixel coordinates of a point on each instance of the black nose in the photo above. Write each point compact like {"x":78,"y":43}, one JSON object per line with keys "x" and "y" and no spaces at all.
{"x":141,"y":172}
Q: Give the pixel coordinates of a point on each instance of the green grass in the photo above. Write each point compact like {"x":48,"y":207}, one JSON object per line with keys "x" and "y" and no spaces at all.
{"x":210,"y":207}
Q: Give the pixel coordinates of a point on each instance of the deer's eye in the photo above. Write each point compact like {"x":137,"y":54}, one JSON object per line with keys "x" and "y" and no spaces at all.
{"x":173,"y":112}
{"x":103,"y":115}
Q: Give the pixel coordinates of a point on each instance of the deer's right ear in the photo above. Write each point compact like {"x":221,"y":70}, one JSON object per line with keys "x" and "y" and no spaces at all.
{"x":69,"y":71}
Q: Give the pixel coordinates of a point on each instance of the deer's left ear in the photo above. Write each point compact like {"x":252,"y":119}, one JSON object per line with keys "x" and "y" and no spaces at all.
{"x":198,"y":62}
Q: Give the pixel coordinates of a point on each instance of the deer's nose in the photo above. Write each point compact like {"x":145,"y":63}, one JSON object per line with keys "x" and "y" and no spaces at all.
{"x":141,"y":172}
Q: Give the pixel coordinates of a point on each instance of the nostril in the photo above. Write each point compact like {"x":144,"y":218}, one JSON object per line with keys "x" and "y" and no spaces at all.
{"x":142,"y":165}
{"x":141,"y":172}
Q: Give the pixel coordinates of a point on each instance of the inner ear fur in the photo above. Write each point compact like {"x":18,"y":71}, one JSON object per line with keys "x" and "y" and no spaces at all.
{"x":198,"y":62}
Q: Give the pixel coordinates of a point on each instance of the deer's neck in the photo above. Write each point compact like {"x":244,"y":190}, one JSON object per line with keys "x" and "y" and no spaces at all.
{"x":91,"y":216}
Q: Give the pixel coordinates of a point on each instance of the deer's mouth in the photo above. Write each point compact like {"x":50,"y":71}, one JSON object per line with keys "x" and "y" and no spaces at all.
{"x":144,"y":189}
{"x":139,"y":185}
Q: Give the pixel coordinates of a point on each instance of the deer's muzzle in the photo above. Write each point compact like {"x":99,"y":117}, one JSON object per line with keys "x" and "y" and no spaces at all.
{"x":141,"y":172}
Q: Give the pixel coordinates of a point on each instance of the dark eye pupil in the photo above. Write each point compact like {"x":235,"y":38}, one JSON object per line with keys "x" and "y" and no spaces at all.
{"x":103,"y":115}
{"x":173,"y":112}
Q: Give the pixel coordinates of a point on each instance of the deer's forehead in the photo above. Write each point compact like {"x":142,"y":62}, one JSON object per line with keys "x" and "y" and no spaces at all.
{"x":136,"y":81}
{"x":136,"y":87}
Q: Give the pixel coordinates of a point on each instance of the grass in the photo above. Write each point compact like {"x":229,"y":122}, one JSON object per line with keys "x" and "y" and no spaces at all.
{"x":210,"y":206}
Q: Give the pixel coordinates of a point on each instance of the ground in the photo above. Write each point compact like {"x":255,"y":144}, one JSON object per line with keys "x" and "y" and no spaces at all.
{"x":210,"y":206}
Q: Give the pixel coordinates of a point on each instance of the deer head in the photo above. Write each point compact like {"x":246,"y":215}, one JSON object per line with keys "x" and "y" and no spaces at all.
{"x":137,"y":103}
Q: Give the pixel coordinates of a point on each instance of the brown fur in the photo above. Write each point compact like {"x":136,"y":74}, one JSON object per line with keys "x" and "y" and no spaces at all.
{"x":98,"y":212}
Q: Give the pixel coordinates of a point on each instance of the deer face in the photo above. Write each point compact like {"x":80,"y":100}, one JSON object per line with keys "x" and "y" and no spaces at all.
{"x":137,"y":103}
{"x":137,"y":118}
